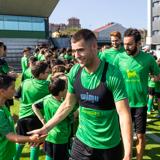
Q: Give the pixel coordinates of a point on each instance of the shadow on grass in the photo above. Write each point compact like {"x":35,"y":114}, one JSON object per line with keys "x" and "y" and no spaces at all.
{"x":151,"y":152}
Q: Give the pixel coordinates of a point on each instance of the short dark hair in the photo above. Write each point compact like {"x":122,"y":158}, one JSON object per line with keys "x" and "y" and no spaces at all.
{"x":57,"y":62}
{"x":6,"y":81}
{"x":1,"y":44}
{"x":131,"y":32}
{"x":33,"y":59}
{"x":36,"y":50}
{"x":57,"y":85}
{"x":58,"y":68}
{"x":85,"y":34}
{"x":38,"y":68}
{"x":26,"y":49}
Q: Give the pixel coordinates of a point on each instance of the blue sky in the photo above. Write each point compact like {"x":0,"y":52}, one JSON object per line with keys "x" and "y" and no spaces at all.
{"x":96,"y":13}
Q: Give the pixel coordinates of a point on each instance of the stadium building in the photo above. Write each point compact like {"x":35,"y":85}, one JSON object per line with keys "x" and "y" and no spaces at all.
{"x":24,"y":23}
{"x":153,"y":27}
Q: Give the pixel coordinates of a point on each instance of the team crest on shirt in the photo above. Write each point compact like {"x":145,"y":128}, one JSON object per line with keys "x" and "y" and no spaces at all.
{"x":131,"y":74}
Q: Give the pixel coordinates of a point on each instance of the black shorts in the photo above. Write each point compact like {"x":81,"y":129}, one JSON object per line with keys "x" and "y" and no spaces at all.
{"x":81,"y":151}
{"x":27,"y":124}
{"x":56,"y":151}
{"x":139,"y":118}
{"x":151,"y":91}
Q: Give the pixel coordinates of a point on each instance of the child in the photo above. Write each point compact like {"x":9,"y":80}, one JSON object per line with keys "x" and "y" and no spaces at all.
{"x":56,"y":143}
{"x":151,"y":94}
{"x":25,"y":58}
{"x":31,"y":90}
{"x":8,"y":137}
{"x":27,"y":74}
{"x":5,"y":69}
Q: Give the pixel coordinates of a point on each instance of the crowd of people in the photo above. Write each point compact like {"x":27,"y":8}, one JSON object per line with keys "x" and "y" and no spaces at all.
{"x":80,"y":102}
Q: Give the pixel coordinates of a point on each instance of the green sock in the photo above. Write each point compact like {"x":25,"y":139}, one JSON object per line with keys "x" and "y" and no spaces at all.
{"x":149,"y":105}
{"x":34,"y":153}
{"x":19,"y":148}
{"x":48,"y":158}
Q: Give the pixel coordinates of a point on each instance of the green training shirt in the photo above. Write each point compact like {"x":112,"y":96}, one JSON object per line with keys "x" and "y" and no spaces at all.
{"x":110,"y":54}
{"x":68,"y":57}
{"x":27,"y":74}
{"x":40,"y":57}
{"x":24,"y":63}
{"x":4,"y":68}
{"x":99,"y":128}
{"x":135,"y":71}
{"x":32,"y":90}
{"x":7,"y":148}
{"x":151,"y":83}
{"x":61,"y":132}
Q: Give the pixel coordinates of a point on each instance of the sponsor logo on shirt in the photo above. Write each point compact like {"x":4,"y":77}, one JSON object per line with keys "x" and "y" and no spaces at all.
{"x":90,"y":98}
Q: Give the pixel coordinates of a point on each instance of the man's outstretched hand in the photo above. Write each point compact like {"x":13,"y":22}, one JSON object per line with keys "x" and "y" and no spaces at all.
{"x":41,"y":132}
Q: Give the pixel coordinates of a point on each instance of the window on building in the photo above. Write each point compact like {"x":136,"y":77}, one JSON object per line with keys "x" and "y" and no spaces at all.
{"x":1,"y":22}
{"x":38,"y":24}
{"x":22,"y":23}
{"x":25,"y":23}
{"x":10,"y":23}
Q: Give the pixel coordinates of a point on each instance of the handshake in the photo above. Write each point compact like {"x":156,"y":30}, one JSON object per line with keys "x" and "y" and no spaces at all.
{"x":37,"y":136}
